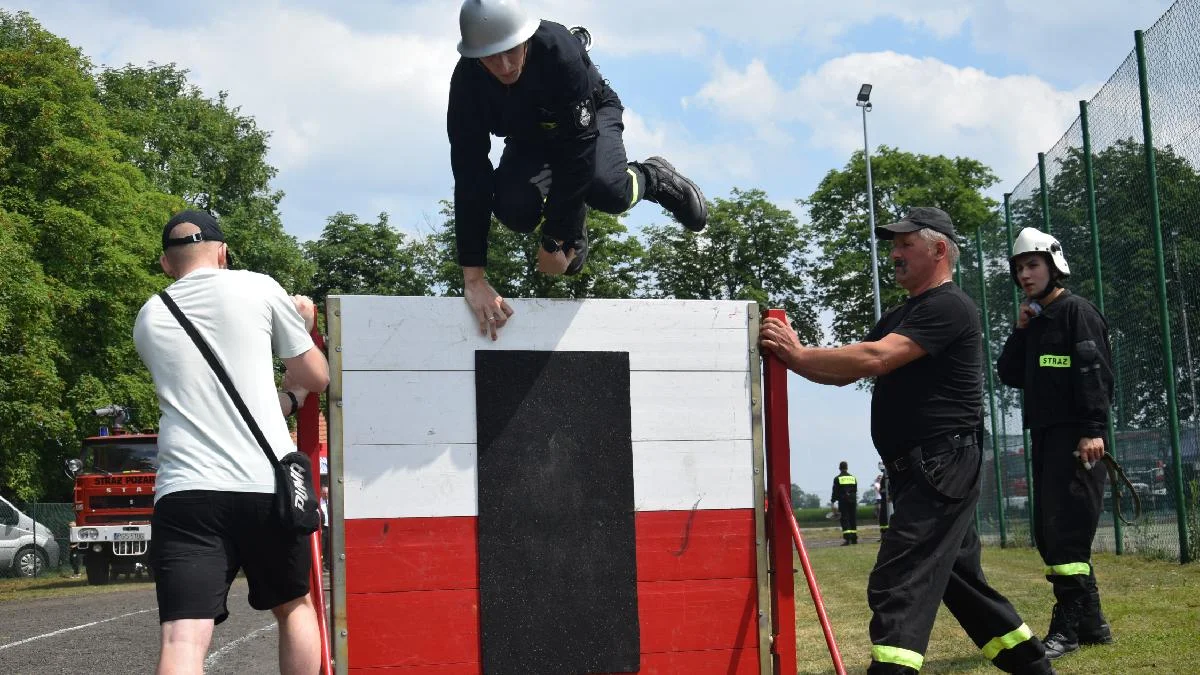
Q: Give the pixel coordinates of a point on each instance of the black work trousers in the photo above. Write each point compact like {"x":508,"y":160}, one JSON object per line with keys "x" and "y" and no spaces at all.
{"x":849,"y":517}
{"x":523,"y":178}
{"x":930,"y":555}
{"x":1067,"y":502}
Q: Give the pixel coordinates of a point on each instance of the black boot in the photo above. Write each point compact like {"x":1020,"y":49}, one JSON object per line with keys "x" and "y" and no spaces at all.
{"x":1061,"y":638}
{"x":581,"y":253}
{"x":670,"y":189}
{"x":1093,"y":628}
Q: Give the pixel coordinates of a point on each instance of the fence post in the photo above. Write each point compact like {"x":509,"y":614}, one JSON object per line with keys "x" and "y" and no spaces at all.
{"x":987,"y":368}
{"x":1027,"y":448}
{"x":1045,"y":192}
{"x":1093,"y":219}
{"x":1164,"y":317}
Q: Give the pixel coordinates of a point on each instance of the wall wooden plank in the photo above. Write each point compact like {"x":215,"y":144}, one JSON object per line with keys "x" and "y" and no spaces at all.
{"x":402,"y":333}
{"x":429,"y":554}
{"x":442,"y":627}
{"x":438,"y":407}
{"x":414,"y":481}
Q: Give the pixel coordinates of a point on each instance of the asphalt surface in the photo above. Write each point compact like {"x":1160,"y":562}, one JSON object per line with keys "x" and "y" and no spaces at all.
{"x":118,"y":633}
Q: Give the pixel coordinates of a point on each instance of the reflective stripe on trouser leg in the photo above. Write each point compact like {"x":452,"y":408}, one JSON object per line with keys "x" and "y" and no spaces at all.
{"x":634,"y":184}
{"x":1069,"y":569}
{"x":898,"y":656}
{"x":1007,"y":641}
{"x":849,"y":531}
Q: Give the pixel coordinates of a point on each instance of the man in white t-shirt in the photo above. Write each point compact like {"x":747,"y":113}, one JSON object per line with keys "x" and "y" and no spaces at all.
{"x":214,"y":489}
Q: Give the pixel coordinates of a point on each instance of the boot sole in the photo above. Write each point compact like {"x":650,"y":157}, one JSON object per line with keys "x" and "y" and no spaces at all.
{"x":695,"y":188}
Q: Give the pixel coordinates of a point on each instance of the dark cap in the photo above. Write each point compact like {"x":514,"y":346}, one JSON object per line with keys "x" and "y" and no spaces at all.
{"x":209,"y":230}
{"x":919,"y":217}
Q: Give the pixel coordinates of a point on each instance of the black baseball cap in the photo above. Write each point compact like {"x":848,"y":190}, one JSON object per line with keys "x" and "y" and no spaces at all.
{"x":209,"y":230}
{"x":919,"y":217}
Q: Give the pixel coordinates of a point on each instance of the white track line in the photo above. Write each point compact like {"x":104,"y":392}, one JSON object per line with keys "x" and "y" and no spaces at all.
{"x":216,"y":656}
{"x":68,"y":630}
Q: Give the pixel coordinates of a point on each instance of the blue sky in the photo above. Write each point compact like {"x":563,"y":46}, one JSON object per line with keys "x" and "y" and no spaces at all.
{"x":750,"y":95}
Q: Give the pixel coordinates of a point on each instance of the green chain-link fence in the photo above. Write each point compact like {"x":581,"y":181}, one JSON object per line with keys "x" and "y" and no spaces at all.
{"x":1129,"y":222}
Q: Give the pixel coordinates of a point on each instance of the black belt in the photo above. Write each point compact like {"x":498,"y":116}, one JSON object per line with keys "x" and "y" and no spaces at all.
{"x":915,"y":454}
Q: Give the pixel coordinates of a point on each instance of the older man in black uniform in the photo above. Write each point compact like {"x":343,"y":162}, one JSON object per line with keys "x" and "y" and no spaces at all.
{"x":927,"y":358}
{"x":533,"y":83}
{"x":1059,"y":354}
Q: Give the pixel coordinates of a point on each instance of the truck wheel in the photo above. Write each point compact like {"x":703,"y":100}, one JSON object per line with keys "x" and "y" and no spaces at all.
{"x":97,"y":570}
{"x":29,"y":562}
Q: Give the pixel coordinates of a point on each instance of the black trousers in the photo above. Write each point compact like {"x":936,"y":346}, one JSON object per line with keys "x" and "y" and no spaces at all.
{"x":849,"y":517}
{"x":929,"y":555}
{"x":1067,"y":503}
{"x":523,"y":179}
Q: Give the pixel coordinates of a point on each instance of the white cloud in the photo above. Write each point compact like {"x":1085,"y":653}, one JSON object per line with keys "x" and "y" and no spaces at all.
{"x":921,"y":105}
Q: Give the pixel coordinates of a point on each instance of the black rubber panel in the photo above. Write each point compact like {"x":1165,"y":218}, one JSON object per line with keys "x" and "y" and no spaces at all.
{"x":557,"y":561}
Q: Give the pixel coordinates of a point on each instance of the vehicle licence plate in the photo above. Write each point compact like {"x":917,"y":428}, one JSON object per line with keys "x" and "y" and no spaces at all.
{"x":129,"y":536}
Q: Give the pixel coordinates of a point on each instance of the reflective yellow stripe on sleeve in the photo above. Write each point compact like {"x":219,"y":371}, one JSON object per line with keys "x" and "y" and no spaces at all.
{"x":633,"y":178}
{"x":1068,"y":570}
{"x":898,"y":656}
{"x":1006,"y":641}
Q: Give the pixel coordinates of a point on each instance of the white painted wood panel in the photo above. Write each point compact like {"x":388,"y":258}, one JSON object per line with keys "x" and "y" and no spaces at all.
{"x":417,"y":333}
{"x":439,"y":480}
{"x":438,"y":407}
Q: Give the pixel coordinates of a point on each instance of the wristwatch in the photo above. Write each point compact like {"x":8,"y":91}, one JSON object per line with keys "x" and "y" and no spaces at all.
{"x":551,"y":245}
{"x":295,"y":403}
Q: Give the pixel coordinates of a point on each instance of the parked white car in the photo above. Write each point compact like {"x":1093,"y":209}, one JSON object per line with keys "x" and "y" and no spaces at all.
{"x":27,"y":549}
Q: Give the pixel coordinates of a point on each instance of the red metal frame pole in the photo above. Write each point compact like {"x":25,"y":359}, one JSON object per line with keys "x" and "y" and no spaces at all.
{"x":784,"y":498}
{"x":308,"y":441}
{"x":779,"y":476}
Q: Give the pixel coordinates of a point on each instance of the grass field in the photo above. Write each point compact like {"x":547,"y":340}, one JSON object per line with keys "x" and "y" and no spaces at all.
{"x":60,"y":585}
{"x":1153,"y":607}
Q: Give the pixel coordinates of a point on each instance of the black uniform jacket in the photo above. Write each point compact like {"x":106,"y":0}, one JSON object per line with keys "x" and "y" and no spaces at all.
{"x":551,"y":105}
{"x":845,"y":488}
{"x":1063,"y":361}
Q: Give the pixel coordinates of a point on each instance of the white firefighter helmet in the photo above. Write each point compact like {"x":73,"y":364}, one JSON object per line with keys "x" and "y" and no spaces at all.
{"x":1033,"y":240}
{"x":492,"y":26}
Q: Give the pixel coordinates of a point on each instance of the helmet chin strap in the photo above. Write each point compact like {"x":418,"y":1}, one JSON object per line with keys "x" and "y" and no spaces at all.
{"x":1050,"y":288}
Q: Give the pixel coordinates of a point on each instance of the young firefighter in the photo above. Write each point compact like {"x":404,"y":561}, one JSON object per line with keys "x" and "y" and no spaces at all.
{"x":533,"y":83}
{"x":1059,"y":354}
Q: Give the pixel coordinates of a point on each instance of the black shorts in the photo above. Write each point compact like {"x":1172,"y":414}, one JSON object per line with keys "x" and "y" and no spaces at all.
{"x":201,"y":538}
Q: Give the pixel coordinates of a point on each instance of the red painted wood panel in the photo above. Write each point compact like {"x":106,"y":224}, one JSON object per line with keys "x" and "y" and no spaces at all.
{"x":415,"y":554}
{"x":442,"y":627}
{"x":714,"y":662}
{"x":411,"y":554}
{"x":681,"y":616}
{"x":413,"y":628}
{"x":702,"y":544}
{"x":412,"y":598}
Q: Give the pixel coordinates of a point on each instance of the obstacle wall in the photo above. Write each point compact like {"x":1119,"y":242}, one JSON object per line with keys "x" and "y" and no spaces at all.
{"x":578,"y":496}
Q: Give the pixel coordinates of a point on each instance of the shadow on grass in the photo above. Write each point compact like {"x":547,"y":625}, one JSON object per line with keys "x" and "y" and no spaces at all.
{"x":961,"y":664}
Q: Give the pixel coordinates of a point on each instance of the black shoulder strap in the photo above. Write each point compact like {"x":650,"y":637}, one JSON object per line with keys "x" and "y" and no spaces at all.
{"x":221,"y":375}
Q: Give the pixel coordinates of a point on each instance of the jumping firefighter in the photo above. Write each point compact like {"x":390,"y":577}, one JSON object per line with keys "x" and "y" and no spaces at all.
{"x":844,"y":498}
{"x":1059,"y":354}
{"x":533,"y":83}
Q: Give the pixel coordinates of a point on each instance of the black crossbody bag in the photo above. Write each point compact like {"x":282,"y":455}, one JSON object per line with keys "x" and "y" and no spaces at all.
{"x":295,"y":504}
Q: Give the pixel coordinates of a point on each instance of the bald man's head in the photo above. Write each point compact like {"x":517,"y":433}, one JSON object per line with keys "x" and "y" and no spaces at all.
{"x":191,"y":240}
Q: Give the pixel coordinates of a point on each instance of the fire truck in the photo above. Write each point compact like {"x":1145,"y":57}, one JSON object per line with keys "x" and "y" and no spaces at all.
{"x":114,"y":498}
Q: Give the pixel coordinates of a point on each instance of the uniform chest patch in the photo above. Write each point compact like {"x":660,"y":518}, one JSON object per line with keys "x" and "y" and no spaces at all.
{"x":1054,"y":361}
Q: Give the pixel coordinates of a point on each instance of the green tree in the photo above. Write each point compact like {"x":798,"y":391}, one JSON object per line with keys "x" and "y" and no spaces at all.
{"x":353,"y":257}
{"x":209,"y":154}
{"x":838,"y":230}
{"x":79,"y":253}
{"x":751,"y":249}
{"x":611,"y":270}
{"x":804,"y":500}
